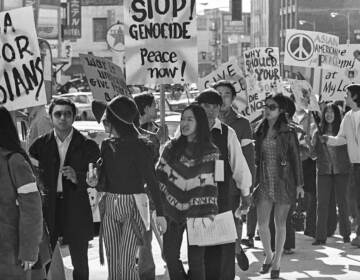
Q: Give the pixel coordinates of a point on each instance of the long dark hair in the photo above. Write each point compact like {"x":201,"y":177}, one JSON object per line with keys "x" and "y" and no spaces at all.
{"x":9,"y":138}
{"x":202,"y":140}
{"x":282,"y":119}
{"x":335,"y":125}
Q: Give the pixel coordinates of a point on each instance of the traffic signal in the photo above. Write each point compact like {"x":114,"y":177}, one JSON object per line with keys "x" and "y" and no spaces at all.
{"x":236,"y":10}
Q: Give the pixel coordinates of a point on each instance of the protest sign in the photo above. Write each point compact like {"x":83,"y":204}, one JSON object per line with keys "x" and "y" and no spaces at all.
{"x":334,"y":82}
{"x":229,"y":71}
{"x":105,"y":78}
{"x":304,"y":95}
{"x":262,"y":78}
{"x":160,"y":41}
{"x":311,"y":49}
{"x":22,"y":76}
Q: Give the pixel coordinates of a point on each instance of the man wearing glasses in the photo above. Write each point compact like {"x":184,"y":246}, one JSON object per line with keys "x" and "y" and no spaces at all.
{"x":62,"y":157}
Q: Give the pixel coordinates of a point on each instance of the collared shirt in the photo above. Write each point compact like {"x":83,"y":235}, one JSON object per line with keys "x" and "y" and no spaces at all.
{"x":63,"y":147}
{"x":237,"y":161}
{"x":349,"y":133}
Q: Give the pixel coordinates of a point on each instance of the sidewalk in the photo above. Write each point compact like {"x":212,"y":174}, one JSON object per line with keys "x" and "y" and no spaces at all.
{"x":336,"y":260}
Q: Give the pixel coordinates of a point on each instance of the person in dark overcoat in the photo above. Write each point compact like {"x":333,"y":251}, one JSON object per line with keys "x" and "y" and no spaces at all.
{"x":63,"y":156}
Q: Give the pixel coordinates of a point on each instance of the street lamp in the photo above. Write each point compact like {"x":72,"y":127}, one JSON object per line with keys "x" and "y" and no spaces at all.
{"x":312,"y":23}
{"x":347,"y":17}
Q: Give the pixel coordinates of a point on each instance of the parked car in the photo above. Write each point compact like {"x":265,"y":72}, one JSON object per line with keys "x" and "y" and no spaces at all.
{"x":82,"y":101}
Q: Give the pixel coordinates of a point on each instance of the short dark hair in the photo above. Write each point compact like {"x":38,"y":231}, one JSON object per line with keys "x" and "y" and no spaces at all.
{"x":64,"y":102}
{"x":209,"y":96}
{"x":142,"y":100}
{"x":355,"y":93}
{"x":225,"y":83}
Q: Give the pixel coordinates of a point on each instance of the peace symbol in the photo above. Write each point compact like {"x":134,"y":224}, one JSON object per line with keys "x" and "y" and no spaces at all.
{"x":300,"y":47}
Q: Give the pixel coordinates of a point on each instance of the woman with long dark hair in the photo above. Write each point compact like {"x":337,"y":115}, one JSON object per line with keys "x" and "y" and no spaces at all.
{"x":127,"y":163}
{"x":20,"y":205}
{"x":333,"y":167}
{"x":279,"y":177}
{"x":186,"y":171}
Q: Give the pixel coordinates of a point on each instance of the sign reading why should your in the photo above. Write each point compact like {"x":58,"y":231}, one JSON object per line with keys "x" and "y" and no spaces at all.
{"x":21,"y":77}
{"x":105,"y":78}
{"x":263,"y":77}
{"x":311,"y":49}
{"x":160,"y":41}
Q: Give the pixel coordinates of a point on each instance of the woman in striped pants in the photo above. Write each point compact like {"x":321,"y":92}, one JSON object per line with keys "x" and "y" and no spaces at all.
{"x":126,"y":165}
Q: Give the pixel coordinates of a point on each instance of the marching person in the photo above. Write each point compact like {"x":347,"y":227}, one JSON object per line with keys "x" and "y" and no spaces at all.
{"x":349,"y":133}
{"x":21,"y":222}
{"x":219,"y":260}
{"x":333,"y":167}
{"x":127,"y":164}
{"x":241,"y":126}
{"x":63,"y":156}
{"x":279,"y":177}
{"x":186,"y":171}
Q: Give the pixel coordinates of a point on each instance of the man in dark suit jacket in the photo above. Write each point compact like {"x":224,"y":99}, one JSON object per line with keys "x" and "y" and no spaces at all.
{"x":63,"y":156}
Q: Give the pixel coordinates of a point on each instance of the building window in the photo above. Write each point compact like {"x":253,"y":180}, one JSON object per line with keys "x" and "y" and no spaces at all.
{"x":99,"y":29}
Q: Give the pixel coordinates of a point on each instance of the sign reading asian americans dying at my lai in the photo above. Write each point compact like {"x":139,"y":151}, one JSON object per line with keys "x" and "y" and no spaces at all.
{"x":311,"y":49}
{"x":334,"y":82}
{"x":160,"y":41}
{"x":21,"y":76}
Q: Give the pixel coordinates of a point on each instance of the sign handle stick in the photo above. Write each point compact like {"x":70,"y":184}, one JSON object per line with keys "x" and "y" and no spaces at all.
{"x":162,"y":110}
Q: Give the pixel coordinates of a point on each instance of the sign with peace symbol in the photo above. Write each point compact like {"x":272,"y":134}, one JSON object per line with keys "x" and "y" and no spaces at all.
{"x":115,"y":37}
{"x":300,"y":47}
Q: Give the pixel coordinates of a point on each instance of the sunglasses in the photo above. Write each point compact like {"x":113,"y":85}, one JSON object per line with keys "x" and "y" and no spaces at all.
{"x":66,"y":114}
{"x":271,"y":107}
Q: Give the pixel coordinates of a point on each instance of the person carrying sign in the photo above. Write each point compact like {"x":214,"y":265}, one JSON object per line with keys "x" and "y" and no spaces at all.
{"x":63,"y":156}
{"x":219,"y":260}
{"x":349,"y":133}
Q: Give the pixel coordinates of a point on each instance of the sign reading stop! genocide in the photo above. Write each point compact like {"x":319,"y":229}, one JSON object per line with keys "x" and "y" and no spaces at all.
{"x":311,"y":49}
{"x":160,"y":41}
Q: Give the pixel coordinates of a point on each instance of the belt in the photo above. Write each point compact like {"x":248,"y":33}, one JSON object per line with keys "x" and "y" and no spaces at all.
{"x":356,"y":164}
{"x":59,"y":195}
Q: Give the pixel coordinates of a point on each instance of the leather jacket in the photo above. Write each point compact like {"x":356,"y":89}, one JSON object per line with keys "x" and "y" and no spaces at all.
{"x":288,"y":157}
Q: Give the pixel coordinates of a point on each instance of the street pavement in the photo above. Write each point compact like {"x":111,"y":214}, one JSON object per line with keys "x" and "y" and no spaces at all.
{"x":335,"y":260}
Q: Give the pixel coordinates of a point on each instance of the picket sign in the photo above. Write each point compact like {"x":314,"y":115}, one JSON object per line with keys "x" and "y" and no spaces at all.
{"x":348,"y":72}
{"x":311,"y":49}
{"x":262,"y":69}
{"x":105,"y":78}
{"x":22,"y":75}
{"x":229,"y":71}
{"x":160,"y":42}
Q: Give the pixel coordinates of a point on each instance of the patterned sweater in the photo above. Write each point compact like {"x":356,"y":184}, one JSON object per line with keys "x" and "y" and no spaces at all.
{"x":188,"y":185}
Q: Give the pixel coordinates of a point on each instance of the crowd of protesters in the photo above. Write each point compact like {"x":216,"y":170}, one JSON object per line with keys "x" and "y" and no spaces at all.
{"x":267,"y":169}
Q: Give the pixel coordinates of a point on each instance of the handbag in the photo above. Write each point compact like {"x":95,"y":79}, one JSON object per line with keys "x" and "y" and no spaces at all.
{"x":45,"y":252}
{"x":297,"y":218}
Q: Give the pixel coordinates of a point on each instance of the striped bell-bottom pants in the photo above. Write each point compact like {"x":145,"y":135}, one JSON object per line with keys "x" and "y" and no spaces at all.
{"x":121,"y":238}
